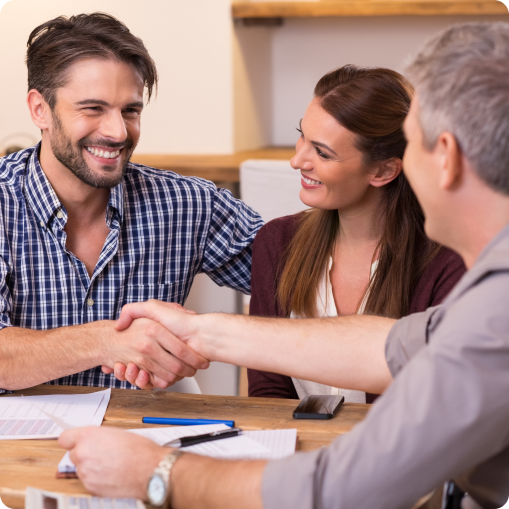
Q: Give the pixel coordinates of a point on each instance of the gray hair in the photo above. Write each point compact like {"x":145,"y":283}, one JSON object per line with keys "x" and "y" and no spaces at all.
{"x":462,"y":80}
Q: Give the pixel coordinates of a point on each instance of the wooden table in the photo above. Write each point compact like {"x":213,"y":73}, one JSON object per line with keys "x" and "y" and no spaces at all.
{"x":34,"y":462}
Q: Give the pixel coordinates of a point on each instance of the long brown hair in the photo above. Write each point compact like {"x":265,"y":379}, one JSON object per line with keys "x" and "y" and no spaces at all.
{"x":372,"y":103}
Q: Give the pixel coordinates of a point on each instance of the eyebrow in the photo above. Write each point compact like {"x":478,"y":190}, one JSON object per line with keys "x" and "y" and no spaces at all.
{"x":318,"y":143}
{"x":135,"y":104}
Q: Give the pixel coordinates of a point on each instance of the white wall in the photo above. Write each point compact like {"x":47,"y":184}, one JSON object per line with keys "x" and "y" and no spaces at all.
{"x":191,"y":43}
{"x":305,"y":49}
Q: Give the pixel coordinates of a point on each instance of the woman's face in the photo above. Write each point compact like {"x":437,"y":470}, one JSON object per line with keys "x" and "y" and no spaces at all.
{"x":334,"y":175}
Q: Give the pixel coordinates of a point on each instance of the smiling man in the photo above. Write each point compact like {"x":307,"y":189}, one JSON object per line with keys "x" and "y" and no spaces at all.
{"x":84,"y":231}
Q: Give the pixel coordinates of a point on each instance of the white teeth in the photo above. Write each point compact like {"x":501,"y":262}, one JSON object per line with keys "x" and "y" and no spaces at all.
{"x":103,"y":153}
{"x":311,"y":182}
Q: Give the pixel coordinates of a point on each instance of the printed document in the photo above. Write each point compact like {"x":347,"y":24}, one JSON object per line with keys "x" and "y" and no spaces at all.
{"x":29,"y":417}
{"x":262,"y":444}
{"x":39,"y":499}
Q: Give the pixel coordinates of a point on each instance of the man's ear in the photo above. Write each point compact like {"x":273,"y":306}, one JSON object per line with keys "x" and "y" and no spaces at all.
{"x":39,"y":109}
{"x":448,"y":156}
{"x":386,"y":171}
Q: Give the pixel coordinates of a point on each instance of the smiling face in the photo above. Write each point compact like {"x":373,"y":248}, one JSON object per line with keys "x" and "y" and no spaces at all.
{"x":334,"y":173}
{"x":95,"y":125}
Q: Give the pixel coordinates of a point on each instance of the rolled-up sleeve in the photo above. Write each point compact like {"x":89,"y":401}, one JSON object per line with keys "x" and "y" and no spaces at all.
{"x":406,"y":338}
{"x":228,"y":251}
{"x":445,"y":413}
{"x":5,"y":303}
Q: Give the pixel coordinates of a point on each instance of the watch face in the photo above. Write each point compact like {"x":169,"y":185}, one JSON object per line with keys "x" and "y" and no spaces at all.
{"x":156,"y":490}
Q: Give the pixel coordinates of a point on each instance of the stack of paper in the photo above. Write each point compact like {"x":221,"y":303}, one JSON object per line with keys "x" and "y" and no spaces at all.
{"x":47,"y":416}
{"x":39,"y":499}
{"x":263,"y":444}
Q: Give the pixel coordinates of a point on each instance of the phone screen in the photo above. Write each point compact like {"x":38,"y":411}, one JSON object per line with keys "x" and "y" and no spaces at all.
{"x":318,"y":407}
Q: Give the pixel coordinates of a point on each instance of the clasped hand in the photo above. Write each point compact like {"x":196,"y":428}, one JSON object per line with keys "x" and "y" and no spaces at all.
{"x":148,"y":354}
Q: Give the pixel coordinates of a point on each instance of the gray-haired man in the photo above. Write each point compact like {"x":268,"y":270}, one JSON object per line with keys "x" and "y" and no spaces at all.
{"x":446,"y":414}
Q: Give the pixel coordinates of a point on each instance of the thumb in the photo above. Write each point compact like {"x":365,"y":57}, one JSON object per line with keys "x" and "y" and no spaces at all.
{"x":69,"y":438}
{"x":150,"y":309}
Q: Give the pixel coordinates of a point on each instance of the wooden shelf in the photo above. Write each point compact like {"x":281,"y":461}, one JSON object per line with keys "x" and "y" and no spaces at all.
{"x":218,"y":168}
{"x":335,"y":8}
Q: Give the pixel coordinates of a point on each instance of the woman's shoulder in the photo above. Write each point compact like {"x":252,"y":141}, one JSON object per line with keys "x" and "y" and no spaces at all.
{"x":438,"y":279}
{"x":279,"y":232}
{"x":446,"y":261}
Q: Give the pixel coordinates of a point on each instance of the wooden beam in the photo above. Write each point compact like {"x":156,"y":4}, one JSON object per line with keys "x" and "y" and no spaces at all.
{"x":338,"y":8}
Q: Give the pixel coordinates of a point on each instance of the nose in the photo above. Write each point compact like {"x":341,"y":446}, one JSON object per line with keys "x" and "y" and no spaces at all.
{"x":113,"y":126}
{"x":301,"y":160}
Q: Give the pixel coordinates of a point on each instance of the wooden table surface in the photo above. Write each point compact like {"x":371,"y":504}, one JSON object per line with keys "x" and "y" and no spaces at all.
{"x":34,"y":462}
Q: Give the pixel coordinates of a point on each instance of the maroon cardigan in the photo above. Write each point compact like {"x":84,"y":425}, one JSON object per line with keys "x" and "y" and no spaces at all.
{"x":270,"y":244}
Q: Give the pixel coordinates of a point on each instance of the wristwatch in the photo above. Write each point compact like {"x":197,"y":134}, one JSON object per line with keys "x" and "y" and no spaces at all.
{"x":158,"y":488}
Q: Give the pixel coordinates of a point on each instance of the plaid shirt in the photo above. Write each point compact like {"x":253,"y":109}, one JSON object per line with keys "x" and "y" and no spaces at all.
{"x":164,"y":229}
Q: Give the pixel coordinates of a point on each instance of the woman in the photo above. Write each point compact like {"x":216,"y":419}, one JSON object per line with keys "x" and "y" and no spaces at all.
{"x":361,"y":248}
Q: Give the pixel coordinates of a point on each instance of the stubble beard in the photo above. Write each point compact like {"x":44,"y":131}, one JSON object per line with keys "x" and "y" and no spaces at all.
{"x":71,"y":156}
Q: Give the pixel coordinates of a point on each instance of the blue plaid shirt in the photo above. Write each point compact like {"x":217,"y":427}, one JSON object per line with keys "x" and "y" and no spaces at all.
{"x":164,"y":229}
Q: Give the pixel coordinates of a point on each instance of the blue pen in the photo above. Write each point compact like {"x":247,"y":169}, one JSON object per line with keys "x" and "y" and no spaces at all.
{"x":184,"y":422}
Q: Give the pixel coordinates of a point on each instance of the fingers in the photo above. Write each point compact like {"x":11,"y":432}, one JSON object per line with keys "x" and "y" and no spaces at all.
{"x":120,"y":371}
{"x":150,"y":309}
{"x":69,"y":438}
{"x":106,"y":370}
{"x":179,"y":349}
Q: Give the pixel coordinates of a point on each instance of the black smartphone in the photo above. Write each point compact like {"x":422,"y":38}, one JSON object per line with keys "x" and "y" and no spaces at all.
{"x":318,"y":407}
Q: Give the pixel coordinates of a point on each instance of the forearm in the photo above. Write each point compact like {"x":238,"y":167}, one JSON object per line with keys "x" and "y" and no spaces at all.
{"x":30,"y":357}
{"x":199,"y":482}
{"x":346,"y":352}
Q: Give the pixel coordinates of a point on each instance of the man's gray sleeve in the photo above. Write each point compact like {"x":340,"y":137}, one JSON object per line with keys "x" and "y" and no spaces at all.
{"x":446,"y":412}
{"x":406,"y":338}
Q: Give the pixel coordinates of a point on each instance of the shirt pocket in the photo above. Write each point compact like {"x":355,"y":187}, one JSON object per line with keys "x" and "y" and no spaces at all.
{"x":168,"y":292}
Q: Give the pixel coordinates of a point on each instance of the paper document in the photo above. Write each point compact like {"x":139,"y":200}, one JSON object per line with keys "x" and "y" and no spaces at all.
{"x":29,"y":417}
{"x":263,"y":444}
{"x":39,"y":499}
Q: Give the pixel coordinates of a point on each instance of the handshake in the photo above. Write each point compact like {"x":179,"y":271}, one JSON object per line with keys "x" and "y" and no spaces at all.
{"x":155,"y":344}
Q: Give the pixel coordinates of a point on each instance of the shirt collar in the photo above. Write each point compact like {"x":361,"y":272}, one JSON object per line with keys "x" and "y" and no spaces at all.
{"x":39,"y":192}
{"x":45,"y":203}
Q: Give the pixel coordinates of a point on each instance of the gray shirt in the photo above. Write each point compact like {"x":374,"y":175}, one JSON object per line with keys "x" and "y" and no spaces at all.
{"x":445,"y":416}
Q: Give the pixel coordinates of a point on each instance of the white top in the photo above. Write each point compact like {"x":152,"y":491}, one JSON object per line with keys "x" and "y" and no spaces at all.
{"x":327,"y":308}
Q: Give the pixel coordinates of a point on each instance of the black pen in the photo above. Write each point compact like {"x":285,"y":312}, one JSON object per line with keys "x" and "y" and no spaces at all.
{"x":207,"y":437}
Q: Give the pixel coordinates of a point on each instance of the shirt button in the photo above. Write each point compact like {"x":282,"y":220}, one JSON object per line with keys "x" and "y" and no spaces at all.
{"x":42,"y":224}
{"x":59,"y":214}
{"x":90,"y":302}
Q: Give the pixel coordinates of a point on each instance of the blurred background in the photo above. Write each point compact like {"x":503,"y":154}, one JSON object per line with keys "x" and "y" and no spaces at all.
{"x":234,"y":82}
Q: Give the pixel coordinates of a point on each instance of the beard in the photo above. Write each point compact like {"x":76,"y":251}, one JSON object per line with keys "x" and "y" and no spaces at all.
{"x":71,"y":156}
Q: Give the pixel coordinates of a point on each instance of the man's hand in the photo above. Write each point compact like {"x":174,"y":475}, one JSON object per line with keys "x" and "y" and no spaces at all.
{"x":140,"y":377}
{"x":151,"y":347}
{"x":112,"y":462}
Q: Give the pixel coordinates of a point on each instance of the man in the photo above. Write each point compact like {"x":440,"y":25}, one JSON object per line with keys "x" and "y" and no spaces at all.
{"x":84,"y":231}
{"x":445,"y":414}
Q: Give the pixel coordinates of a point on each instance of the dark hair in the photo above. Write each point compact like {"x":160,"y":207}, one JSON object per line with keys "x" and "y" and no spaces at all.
{"x":57,"y":44}
{"x":372,"y":103}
